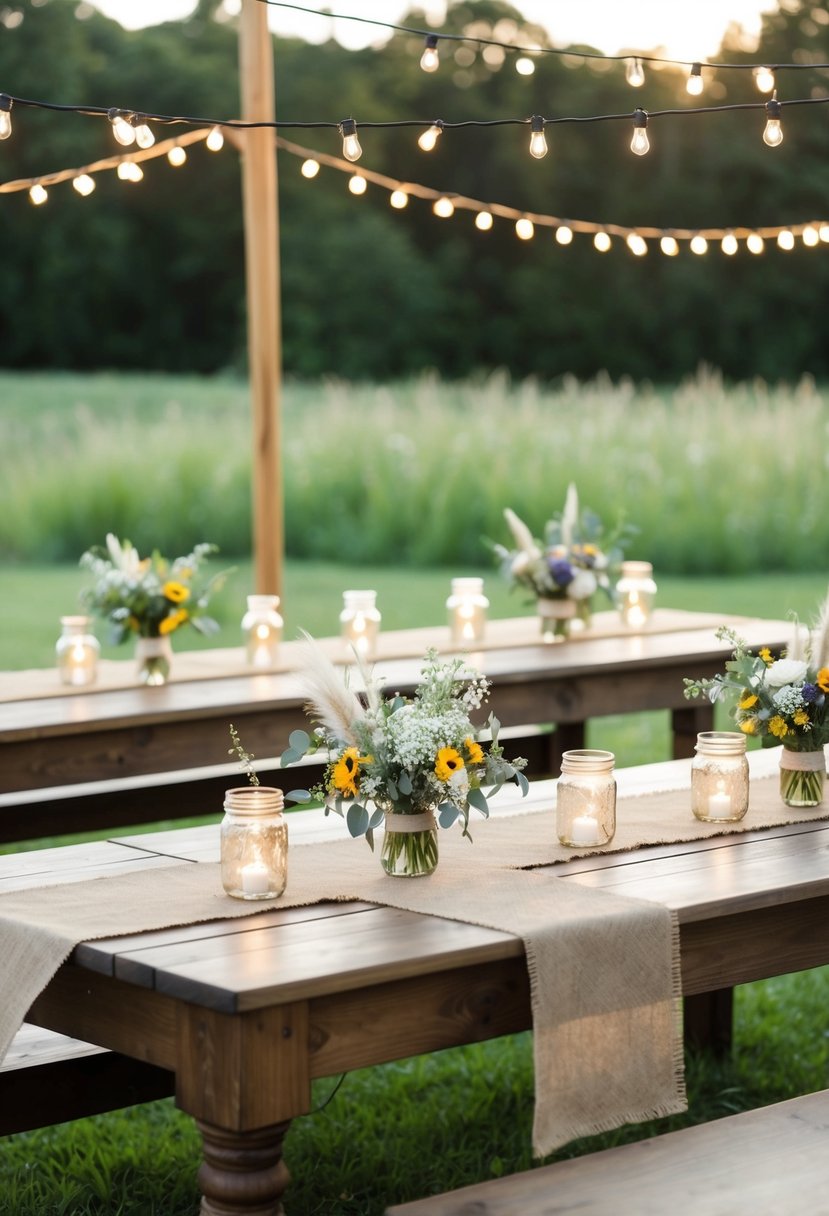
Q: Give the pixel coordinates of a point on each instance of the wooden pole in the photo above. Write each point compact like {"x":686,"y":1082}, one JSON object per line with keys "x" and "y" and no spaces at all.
{"x":260,"y":200}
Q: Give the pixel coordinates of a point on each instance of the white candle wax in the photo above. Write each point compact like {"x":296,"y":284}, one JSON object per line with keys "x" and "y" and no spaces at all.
{"x":585,"y":830}
{"x":255,"y":879}
{"x":719,"y":806}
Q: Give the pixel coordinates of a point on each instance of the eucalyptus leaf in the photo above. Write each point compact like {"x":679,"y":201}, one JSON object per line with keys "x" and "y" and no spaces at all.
{"x":404,"y":784}
{"x":391,"y":790}
{"x":299,"y":741}
{"x":523,"y":783}
{"x":289,"y":756}
{"x":477,"y":798}
{"x":299,"y":795}
{"x":375,"y":820}
{"x":447,"y":814}
{"x":357,"y":819}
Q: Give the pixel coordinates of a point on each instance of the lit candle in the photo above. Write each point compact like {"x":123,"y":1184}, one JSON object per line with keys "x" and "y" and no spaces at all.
{"x":719,"y":805}
{"x":77,"y":652}
{"x":633,"y":612}
{"x":585,"y":830}
{"x":467,"y":607}
{"x":262,"y":630}
{"x":255,"y":878}
{"x":636,"y":590}
{"x":360,"y":622}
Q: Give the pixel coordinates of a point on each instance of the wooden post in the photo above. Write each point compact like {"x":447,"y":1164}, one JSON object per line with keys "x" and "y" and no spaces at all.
{"x":260,"y":199}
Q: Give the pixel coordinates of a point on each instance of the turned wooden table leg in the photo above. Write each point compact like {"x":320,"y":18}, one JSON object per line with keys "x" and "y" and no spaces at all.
{"x":243,"y":1173}
{"x":566,"y":737}
{"x":686,"y":725}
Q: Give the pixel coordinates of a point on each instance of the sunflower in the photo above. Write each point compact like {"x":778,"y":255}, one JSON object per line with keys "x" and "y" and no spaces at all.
{"x":172,"y":621}
{"x":822,"y":679}
{"x":175,"y":592}
{"x":474,"y":751}
{"x":346,"y":772}
{"x":748,"y":700}
{"x":448,"y":762}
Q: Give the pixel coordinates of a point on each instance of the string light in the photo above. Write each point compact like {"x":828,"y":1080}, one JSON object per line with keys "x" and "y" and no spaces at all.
{"x":524,"y":229}
{"x":357,"y":184}
{"x":6,"y":104}
{"x":430,"y":136}
{"x":810,"y":236}
{"x":755,"y":243}
{"x":399,"y":199}
{"x":144,"y":137}
{"x":84,"y":184}
{"x":444,"y":207}
{"x":669,"y":246}
{"x":699,"y":245}
{"x":764,"y":79}
{"x":640,"y":144}
{"x":773,"y":134}
{"x":430,"y":60}
{"x":215,"y":140}
{"x":351,"y":144}
{"x":637,"y":245}
{"x":483,"y":221}
{"x":310,"y":168}
{"x":38,"y":194}
{"x":635,"y":73}
{"x":602,"y":242}
{"x":564,"y":235}
{"x":538,"y":141}
{"x":129,"y":171}
{"x":729,"y":244}
{"x":122,"y":128}
{"x":177,"y":156}
{"x":524,"y":66}
{"x":694,"y":84}
{"x":785,"y":240}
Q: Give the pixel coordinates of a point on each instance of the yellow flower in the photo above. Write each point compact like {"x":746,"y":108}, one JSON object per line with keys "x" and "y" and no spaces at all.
{"x":800,"y":717}
{"x":748,"y":699}
{"x":474,"y":751}
{"x":175,"y":592}
{"x":346,"y":772}
{"x":448,"y":762}
{"x":765,"y":655}
{"x":748,"y":725}
{"x":173,"y":621}
{"x":778,"y":727}
{"x":823,"y":679}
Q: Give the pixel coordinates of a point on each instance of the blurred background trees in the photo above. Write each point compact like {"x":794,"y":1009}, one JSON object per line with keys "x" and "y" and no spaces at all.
{"x":150,"y":276}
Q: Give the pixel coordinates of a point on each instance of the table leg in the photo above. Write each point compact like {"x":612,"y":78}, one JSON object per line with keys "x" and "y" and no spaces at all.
{"x":567,"y":736}
{"x":686,"y":724}
{"x":243,"y":1173}
{"x":708,"y":1020}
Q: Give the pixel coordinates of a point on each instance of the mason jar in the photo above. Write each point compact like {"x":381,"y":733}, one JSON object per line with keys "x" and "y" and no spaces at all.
{"x":360,"y":622}
{"x":636,"y":591}
{"x":719,"y":777}
{"x":254,"y":843}
{"x":77,"y":652}
{"x":586,"y":798}
{"x":262,"y":630}
{"x":466,"y":608}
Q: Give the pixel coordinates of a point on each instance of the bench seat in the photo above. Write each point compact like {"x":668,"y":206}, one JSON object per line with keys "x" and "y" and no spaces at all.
{"x":773,"y":1161}
{"x":48,"y":1078}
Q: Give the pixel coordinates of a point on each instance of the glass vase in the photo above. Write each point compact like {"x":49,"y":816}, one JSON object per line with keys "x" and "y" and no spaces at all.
{"x":586,"y":798}
{"x":410,"y":844}
{"x":802,"y":776}
{"x":77,"y":652}
{"x":557,"y":616}
{"x":153,"y":657}
{"x":719,"y":777}
{"x":254,"y":843}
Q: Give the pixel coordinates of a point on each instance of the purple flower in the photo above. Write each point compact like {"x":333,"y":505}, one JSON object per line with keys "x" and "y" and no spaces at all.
{"x":561,"y":571}
{"x":809,"y":693}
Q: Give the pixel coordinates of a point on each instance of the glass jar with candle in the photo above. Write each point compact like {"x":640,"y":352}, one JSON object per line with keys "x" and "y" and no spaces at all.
{"x":254,"y":845}
{"x":262,"y":630}
{"x":636,"y":590}
{"x":719,"y":777}
{"x":586,"y":798}
{"x":467,"y":607}
{"x":77,"y":652}
{"x":360,"y":622}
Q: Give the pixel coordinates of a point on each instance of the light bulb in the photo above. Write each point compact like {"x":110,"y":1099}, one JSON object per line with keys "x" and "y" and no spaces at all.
{"x":351,"y":144}
{"x":637,"y":245}
{"x":694,"y":83}
{"x":764,"y":79}
{"x":310,"y":168}
{"x":444,"y":208}
{"x":669,"y":246}
{"x":699,"y":245}
{"x":38,"y":194}
{"x":564,"y":235}
{"x":430,"y":137}
{"x":357,"y":183}
{"x":538,"y":143}
{"x":5,"y":116}
{"x":177,"y":156}
{"x":773,"y":134}
{"x":524,"y":229}
{"x":215,"y":140}
{"x":84,"y":184}
{"x":823,"y":232}
{"x":785,"y":239}
{"x":729,"y":244}
{"x":602,"y":242}
{"x":755,"y":243}
{"x":524,"y":66}
{"x":640,"y":144}
{"x":430,"y":60}
{"x":635,"y":73}
{"x":122,"y":128}
{"x":144,"y":136}
{"x":398,"y":199}
{"x":129,"y":171}
{"x":810,"y":236}
{"x":483,"y":221}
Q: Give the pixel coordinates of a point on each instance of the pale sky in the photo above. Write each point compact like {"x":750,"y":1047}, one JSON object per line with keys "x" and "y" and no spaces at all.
{"x":685,"y":29}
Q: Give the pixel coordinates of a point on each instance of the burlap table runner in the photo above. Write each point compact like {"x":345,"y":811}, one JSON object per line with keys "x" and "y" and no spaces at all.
{"x":604,"y":969}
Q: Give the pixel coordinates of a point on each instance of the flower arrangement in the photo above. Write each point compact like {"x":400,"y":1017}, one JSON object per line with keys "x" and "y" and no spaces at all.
{"x":406,"y":756}
{"x":148,"y":597}
{"x":781,"y":700}
{"x":576,"y":558}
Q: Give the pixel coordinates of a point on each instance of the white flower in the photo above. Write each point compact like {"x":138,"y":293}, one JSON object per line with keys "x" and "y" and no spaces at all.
{"x":521,"y":563}
{"x":583,"y":585}
{"x":459,"y":781}
{"x":785,"y":671}
{"x":788,"y":699}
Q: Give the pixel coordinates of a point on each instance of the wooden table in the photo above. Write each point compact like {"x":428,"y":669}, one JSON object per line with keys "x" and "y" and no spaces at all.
{"x":246,"y":1013}
{"x":122,"y":733}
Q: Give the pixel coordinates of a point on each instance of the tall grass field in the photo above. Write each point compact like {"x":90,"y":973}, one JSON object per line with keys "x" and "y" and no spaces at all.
{"x":397,"y":487}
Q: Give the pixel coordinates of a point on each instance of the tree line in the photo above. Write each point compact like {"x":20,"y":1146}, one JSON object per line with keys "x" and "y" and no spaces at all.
{"x":151,"y":275}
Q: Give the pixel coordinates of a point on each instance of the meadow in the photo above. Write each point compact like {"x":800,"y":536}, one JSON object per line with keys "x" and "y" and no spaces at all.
{"x":395,"y":487}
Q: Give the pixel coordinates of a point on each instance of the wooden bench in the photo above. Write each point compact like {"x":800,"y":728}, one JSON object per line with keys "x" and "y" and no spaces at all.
{"x":767,"y":1162}
{"x":48,"y":1078}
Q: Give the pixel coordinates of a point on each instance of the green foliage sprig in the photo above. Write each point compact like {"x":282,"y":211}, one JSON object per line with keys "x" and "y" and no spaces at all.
{"x":245,"y":758}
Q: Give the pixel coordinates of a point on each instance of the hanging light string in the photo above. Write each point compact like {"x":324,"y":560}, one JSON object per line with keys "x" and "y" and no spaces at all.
{"x":811,"y":232}
{"x":538,"y":50}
